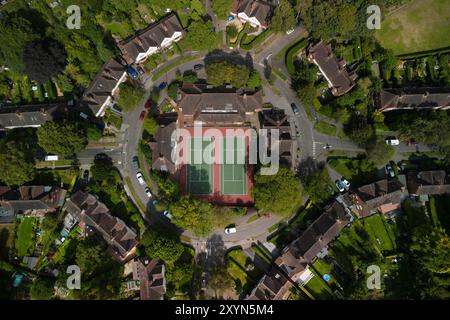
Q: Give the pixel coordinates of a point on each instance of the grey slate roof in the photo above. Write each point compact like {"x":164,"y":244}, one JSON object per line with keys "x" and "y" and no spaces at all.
{"x":30,"y":115}
{"x":428,"y":182}
{"x":333,"y":69}
{"x":152,"y":36}
{"x":162,"y":147}
{"x":414,"y":98}
{"x":253,"y":8}
{"x":103,"y":84}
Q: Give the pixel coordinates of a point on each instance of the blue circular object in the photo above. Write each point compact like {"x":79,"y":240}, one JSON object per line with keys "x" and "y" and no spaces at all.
{"x":326,"y":277}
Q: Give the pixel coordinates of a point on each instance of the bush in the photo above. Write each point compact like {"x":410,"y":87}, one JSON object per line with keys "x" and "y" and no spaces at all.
{"x":292,"y":53}
{"x":254,"y":42}
{"x":150,"y":125}
{"x":130,"y":95}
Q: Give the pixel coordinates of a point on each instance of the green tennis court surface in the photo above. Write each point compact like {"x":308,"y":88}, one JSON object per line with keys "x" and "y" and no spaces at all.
{"x":199,"y":170}
{"x":232,"y":170}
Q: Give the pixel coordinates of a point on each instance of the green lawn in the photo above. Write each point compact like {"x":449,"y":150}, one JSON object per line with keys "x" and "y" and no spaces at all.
{"x":322,"y":267}
{"x":421,"y":25}
{"x":318,"y":288}
{"x":377,"y":226}
{"x":325,"y":128}
{"x":26,"y":235}
{"x":358,"y":171}
{"x":236,"y":267}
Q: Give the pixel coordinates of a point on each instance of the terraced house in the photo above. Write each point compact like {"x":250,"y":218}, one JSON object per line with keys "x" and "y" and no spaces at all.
{"x":100,"y":93}
{"x":414,"y":98}
{"x":155,"y":37}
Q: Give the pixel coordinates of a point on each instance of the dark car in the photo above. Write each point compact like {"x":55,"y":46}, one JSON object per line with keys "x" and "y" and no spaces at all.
{"x":295,"y":108}
{"x":198,"y":67}
{"x":86,"y":175}
{"x":101,"y":156}
{"x":136,"y":162}
{"x":148,"y":104}
{"x":142,"y":115}
{"x":132,"y":72}
{"x":162,"y":85}
{"x":390,"y":172}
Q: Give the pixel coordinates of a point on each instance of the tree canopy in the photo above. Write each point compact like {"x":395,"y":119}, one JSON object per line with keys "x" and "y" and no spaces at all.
{"x":279,"y":193}
{"x":43,"y":60}
{"x":16,"y":165}
{"x":130,"y":95}
{"x":284,"y":17}
{"x":162,"y":245}
{"x":193,"y":214}
{"x":224,"y":72}
{"x":201,"y":35}
{"x":62,"y":138}
{"x":42,"y":289}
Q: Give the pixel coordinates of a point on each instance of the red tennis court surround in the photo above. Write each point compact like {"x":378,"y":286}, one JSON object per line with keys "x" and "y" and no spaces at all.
{"x":217,"y":197}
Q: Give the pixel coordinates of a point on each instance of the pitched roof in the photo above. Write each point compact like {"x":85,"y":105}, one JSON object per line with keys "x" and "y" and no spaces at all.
{"x":253,"y":8}
{"x":414,"y":98}
{"x":333,"y":69}
{"x":162,"y":146}
{"x":30,"y":115}
{"x":428,"y":182}
{"x":103,"y":84}
{"x":34,"y":197}
{"x":94,"y":213}
{"x":152,"y":282}
{"x":200,"y":102}
{"x":151,"y":36}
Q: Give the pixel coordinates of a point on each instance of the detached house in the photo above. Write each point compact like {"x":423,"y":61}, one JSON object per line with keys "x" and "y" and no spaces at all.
{"x":383,"y":196}
{"x":94,"y":217}
{"x":29,"y":201}
{"x":100,"y":93}
{"x":292,"y":267}
{"x":428,"y":182}
{"x":148,"y":41}
{"x":148,"y":276}
{"x":255,"y":12}
{"x":340,"y":81}
{"x":414,"y":98}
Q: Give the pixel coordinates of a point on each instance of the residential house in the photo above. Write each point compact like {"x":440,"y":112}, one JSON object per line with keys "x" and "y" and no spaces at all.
{"x":340,"y":81}
{"x":30,"y":201}
{"x":292,"y":267}
{"x":164,"y":145}
{"x":148,"y":41}
{"x":100,"y":93}
{"x":276,"y":119}
{"x":428,"y":182}
{"x":217,"y":107}
{"x":148,"y":276}
{"x":31,"y":116}
{"x":413,"y":98}
{"x":255,"y":12}
{"x":95,"y":217}
{"x":383,"y":196}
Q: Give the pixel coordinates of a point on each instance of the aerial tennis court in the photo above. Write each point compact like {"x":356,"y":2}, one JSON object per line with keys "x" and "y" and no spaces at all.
{"x":233,"y":179}
{"x":199,"y":177}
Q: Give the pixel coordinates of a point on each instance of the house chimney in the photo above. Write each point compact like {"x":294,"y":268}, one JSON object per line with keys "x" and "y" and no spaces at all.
{"x":43,"y":111}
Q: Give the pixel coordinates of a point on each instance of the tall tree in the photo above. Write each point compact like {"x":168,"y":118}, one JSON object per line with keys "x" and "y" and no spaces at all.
{"x":279,"y":193}
{"x":284,"y":17}
{"x":43,"y":60}
{"x":16,"y":165}
{"x":201,"y":35}
{"x":162,"y":245}
{"x":62,"y":138}
{"x":224,"y":72}
{"x":193,"y":214}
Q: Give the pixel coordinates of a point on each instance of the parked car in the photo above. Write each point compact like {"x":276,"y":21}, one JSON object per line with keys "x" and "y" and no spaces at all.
{"x":86,"y":176}
{"x":231,"y":18}
{"x":295,"y":108}
{"x":148,"y":192}
{"x":340,"y":185}
{"x":101,"y":156}
{"x":148,"y":104}
{"x":132,"y":72}
{"x":290,"y":31}
{"x":140,"y":178}
{"x":162,"y":85}
{"x":346,"y":183}
{"x":142,"y":115}
{"x":198,"y":67}
{"x":389,"y":171}
{"x":167,"y":214}
{"x":136,"y":162}
{"x":230,"y":230}
{"x":392,"y":141}
{"x":140,"y":70}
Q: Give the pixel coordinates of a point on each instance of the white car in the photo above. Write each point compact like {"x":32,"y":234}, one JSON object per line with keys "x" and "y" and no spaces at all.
{"x":346,"y":183}
{"x":148,"y":193}
{"x":167,"y":214}
{"x":140,"y":178}
{"x":340,"y":185}
{"x":230,"y":230}
{"x":392,"y":142}
{"x":290,"y":31}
